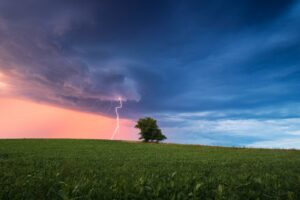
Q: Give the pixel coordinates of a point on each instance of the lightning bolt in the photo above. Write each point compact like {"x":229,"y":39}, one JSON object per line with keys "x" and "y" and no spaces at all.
{"x":117,"y":118}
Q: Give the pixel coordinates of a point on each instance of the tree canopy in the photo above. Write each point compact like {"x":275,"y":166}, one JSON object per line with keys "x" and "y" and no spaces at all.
{"x":149,"y":131}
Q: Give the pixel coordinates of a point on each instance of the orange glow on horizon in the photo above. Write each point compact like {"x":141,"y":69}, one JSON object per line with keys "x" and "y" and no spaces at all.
{"x":26,"y":119}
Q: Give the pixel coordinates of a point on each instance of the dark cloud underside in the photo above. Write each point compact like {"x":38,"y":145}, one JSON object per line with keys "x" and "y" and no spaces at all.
{"x":161,"y":56}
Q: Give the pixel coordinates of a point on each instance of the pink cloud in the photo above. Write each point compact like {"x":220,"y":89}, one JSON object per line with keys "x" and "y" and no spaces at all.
{"x":26,"y":119}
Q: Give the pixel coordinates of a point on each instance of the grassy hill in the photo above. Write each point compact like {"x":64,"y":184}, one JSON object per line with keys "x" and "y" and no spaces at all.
{"x":95,"y":169}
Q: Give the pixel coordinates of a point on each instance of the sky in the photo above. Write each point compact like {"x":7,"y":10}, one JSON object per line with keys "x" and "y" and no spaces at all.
{"x":217,"y":72}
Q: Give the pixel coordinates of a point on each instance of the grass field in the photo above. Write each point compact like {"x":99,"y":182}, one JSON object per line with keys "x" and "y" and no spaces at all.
{"x":95,"y":169}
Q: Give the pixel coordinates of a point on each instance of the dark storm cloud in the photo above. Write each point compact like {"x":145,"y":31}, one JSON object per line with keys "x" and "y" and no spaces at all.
{"x":162,"y":56}
{"x":40,"y":66}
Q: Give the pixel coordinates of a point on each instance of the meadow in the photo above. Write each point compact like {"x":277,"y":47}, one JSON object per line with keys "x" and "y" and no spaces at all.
{"x":98,"y":169}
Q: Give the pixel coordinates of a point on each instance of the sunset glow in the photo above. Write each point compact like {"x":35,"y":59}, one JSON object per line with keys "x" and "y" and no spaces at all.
{"x":25,"y":119}
{"x":2,"y":85}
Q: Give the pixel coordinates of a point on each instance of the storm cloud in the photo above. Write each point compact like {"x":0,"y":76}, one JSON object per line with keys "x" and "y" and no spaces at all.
{"x":233,"y":60}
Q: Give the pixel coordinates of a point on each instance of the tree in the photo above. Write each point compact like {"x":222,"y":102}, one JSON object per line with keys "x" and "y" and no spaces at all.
{"x":149,"y":130}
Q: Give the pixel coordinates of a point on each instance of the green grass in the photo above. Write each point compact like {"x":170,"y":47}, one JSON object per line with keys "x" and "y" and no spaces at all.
{"x":95,"y":169}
